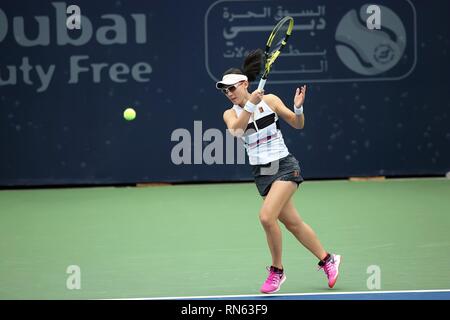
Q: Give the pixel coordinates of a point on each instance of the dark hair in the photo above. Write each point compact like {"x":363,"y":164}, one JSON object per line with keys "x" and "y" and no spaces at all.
{"x":251,"y":67}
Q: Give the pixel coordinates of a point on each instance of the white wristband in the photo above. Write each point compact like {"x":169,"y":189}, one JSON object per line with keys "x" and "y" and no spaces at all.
{"x":250,"y":107}
{"x":298,"y":111}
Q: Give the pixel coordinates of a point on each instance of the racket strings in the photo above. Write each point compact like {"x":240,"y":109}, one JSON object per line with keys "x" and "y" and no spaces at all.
{"x":276,"y":42}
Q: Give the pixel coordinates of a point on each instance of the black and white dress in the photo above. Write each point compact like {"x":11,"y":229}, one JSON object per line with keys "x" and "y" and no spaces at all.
{"x":268,"y":155}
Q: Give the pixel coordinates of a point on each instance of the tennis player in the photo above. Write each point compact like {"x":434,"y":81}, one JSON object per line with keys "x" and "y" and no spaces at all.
{"x":254,"y":118}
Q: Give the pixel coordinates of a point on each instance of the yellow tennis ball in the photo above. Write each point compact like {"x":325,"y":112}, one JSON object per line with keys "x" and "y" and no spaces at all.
{"x":129,"y":114}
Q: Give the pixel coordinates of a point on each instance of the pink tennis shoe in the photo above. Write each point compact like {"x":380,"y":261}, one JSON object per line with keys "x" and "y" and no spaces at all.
{"x":276,"y":276}
{"x":331,"y":268}
{"x":274,"y":281}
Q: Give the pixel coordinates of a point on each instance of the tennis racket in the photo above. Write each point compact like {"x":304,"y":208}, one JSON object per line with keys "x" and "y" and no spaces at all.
{"x":276,"y":42}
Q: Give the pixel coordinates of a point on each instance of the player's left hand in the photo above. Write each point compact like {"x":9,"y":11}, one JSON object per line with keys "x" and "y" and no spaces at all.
{"x":299,"y":97}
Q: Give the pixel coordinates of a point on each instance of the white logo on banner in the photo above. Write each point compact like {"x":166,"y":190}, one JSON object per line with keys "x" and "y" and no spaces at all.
{"x":370,"y":52}
{"x":68,"y":27}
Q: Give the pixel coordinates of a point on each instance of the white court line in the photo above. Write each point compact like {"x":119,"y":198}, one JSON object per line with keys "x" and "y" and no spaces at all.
{"x":286,"y":294}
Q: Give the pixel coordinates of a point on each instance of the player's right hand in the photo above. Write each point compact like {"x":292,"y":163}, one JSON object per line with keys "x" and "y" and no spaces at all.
{"x":256,"y":96}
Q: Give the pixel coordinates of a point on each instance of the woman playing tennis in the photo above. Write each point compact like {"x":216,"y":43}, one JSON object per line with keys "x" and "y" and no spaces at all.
{"x":254,"y":118}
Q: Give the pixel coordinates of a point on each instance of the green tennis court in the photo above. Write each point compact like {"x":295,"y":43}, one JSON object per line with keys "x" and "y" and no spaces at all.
{"x":206,"y":240}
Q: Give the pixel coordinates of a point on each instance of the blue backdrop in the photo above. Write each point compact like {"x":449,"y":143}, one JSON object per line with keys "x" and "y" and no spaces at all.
{"x":378,"y":100}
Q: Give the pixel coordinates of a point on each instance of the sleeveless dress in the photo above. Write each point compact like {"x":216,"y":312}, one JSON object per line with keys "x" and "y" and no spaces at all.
{"x":268,"y":155}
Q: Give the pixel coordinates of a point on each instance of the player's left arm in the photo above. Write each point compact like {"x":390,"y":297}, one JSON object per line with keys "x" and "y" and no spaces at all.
{"x":285,"y":113}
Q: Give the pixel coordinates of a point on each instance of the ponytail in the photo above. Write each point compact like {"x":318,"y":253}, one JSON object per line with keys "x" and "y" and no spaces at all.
{"x":251,"y":67}
{"x":252,"y":64}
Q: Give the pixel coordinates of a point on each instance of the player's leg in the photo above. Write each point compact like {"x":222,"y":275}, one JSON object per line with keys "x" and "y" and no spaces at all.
{"x":308,"y":238}
{"x":302,"y":231}
{"x":279,"y":194}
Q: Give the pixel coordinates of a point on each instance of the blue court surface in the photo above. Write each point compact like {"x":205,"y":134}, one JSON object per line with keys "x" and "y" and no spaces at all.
{"x":363,"y":295}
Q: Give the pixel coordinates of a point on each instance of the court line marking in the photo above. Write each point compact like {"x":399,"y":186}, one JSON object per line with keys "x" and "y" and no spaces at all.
{"x":286,"y":294}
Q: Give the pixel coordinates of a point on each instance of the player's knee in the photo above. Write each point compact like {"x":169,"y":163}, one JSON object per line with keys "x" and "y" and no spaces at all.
{"x":293,"y":226}
{"x":266,"y":219}
{"x":289,"y":225}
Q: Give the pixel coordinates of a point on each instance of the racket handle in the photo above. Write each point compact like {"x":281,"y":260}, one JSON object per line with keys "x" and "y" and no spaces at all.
{"x":262,"y":83}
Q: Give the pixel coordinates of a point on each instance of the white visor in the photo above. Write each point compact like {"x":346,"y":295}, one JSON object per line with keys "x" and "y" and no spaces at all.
{"x":230,"y":79}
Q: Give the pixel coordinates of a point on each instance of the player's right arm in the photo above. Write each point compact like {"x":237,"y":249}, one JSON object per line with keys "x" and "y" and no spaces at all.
{"x":236,"y":125}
